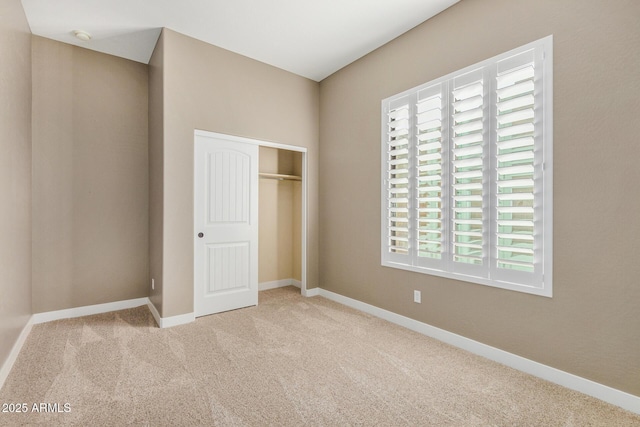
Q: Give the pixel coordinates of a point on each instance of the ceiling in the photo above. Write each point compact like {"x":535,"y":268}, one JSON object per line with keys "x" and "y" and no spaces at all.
{"x":311,"y":38}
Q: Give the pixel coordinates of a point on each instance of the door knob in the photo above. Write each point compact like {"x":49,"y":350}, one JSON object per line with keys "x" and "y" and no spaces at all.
{"x":201,"y":235}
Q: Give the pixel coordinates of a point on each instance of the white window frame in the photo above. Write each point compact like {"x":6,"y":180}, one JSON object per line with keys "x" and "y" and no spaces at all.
{"x":538,"y":281}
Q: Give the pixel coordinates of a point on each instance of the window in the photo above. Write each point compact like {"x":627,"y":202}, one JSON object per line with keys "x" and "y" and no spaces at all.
{"x":467,"y":173}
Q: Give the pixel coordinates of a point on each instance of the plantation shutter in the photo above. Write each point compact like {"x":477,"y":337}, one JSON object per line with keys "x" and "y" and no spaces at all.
{"x":518,"y":149}
{"x":467,"y":173}
{"x":430,"y":166}
{"x":396,"y":159}
{"x":469,"y":134}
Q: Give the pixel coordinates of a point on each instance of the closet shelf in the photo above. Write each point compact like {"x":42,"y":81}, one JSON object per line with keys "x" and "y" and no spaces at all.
{"x":280,"y":176}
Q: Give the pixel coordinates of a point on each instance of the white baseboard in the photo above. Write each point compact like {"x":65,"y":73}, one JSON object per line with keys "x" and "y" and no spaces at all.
{"x":168,"y":322}
{"x":88,"y":310}
{"x":565,"y":379}
{"x":279,"y":284}
{"x":274,"y":284}
{"x":15,"y":350}
{"x":312,"y":292}
{"x":154,"y":313}
{"x":163,"y":322}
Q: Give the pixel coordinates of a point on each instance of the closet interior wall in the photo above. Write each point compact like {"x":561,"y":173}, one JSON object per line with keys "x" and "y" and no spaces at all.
{"x":280,"y":213}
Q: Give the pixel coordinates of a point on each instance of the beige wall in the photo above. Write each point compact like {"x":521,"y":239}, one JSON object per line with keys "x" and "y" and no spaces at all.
{"x":156,"y":170}
{"x":279,"y":217}
{"x":591,"y":325}
{"x":90,"y":177}
{"x":209,"y":88}
{"x":15,"y":174}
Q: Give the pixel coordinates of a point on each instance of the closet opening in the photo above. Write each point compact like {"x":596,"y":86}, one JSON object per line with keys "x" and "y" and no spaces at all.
{"x":281,"y":218}
{"x":250,"y":220}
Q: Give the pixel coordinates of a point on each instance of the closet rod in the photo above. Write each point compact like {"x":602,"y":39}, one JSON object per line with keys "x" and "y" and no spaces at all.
{"x":280,"y":176}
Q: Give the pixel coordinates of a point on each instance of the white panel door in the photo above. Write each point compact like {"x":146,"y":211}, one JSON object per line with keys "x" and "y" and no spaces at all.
{"x":226,"y":225}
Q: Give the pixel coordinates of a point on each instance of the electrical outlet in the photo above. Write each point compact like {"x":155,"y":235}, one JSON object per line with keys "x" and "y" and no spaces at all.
{"x":153,"y":284}
{"x":417,"y":297}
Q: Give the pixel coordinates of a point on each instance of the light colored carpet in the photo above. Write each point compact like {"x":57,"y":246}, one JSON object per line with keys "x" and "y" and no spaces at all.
{"x":290,"y":361}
